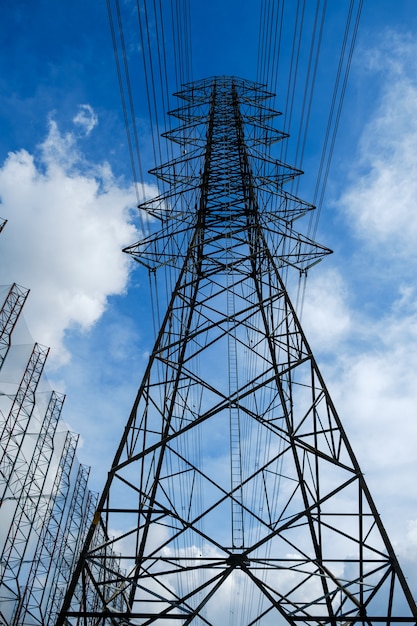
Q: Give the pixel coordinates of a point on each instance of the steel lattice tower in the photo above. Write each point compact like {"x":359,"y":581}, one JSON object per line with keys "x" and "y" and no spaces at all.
{"x":234,"y":496}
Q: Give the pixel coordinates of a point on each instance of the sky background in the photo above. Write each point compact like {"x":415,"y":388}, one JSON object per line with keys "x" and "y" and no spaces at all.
{"x":66,"y":188}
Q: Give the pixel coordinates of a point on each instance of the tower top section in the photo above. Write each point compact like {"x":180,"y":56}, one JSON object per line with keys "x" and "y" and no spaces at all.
{"x":225,"y":179}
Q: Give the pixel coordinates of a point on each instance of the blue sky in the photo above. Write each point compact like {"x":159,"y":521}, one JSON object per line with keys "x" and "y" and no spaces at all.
{"x":66,"y":189}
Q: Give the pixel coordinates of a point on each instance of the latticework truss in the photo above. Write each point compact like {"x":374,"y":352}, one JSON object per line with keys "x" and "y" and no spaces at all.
{"x":45,"y":506}
{"x":234,"y":496}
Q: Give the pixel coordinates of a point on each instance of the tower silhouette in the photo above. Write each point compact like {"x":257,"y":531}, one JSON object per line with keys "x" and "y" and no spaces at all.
{"x":234,"y":496}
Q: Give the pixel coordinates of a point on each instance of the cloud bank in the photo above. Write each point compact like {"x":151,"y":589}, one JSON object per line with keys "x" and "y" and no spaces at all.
{"x":381,"y":200}
{"x":360,"y":314}
{"x":67,"y":222}
{"x":371,"y":375}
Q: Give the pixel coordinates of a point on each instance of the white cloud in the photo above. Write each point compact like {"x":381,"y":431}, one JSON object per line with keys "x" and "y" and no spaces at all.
{"x":326,"y":316}
{"x":86,"y":118}
{"x":373,"y":306}
{"x":381,"y":199}
{"x":57,"y":151}
{"x":67,"y":222}
{"x":373,"y":379}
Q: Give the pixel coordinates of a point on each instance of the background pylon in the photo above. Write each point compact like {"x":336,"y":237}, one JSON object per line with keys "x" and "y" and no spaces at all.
{"x":234,"y":496}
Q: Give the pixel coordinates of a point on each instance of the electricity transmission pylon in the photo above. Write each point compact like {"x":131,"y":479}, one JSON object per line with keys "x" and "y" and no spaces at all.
{"x":234,"y":496}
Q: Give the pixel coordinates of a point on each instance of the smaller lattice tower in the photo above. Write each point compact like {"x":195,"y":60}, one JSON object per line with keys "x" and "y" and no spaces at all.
{"x":234,"y":496}
{"x":45,"y":506}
